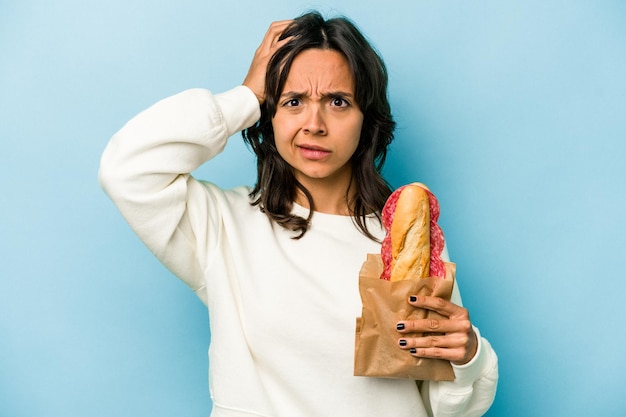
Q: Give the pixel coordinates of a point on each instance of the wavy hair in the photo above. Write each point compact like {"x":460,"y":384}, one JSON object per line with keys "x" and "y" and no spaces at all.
{"x":276,"y":186}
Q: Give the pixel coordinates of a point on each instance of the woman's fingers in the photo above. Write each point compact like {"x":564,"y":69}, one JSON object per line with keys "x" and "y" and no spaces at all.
{"x":441,"y":306}
{"x":434,"y":325}
{"x":434,"y":341}
{"x":451,"y":337}
{"x":459,"y":347}
{"x":255,"y":79}
{"x":273,"y":33}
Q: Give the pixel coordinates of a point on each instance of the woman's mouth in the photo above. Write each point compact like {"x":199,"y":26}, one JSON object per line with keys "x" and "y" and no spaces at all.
{"x":313,"y":152}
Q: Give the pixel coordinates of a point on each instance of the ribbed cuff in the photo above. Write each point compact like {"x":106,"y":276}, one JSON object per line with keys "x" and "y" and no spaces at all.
{"x":467,"y":374}
{"x":240,"y":108}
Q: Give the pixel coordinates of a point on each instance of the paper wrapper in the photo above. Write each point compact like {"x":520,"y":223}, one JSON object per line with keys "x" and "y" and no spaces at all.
{"x":385,"y":303}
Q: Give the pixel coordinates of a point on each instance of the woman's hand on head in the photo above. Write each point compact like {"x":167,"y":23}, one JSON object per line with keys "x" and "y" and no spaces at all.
{"x":454,"y":339}
{"x":255,"y":79}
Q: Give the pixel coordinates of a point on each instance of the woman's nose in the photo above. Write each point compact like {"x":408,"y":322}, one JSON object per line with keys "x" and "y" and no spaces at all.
{"x":314,"y":122}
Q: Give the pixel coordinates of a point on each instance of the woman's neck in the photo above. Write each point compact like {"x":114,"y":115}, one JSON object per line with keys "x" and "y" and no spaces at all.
{"x":328,"y":198}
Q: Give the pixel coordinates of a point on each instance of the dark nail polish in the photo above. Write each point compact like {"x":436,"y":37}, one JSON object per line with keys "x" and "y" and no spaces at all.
{"x":413,"y":350}
{"x":400,"y":326}
{"x":402,"y":342}
{"x":412,"y":298}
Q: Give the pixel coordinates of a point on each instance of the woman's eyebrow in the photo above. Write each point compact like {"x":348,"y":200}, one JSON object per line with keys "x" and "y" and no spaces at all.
{"x":298,"y":94}
{"x":292,"y":94}
{"x":338,"y":93}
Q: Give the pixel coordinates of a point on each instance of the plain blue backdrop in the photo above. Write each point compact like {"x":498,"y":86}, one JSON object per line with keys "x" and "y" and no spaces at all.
{"x":513,"y":112}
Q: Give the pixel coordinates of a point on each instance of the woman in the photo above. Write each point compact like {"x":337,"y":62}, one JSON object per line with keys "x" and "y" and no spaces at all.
{"x":277,"y":265}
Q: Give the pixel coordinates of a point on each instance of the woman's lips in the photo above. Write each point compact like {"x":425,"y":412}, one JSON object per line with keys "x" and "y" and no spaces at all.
{"x":313,"y":152}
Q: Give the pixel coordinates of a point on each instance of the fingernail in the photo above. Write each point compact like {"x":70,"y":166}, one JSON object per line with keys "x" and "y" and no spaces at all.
{"x":400,"y":326}
{"x":402,"y":342}
{"x":412,"y":298}
{"x":413,"y":350}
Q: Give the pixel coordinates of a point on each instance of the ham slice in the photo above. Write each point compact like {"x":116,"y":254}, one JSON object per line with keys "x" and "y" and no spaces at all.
{"x":437,"y":239}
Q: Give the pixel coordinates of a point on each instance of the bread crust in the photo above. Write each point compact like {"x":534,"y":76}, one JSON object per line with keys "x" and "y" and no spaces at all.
{"x":410,"y":235}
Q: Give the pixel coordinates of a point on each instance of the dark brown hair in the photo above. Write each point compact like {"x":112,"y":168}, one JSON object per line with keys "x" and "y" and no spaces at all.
{"x":276,"y":185}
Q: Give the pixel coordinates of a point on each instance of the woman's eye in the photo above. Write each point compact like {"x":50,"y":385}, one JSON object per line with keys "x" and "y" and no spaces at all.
{"x":294,"y":102}
{"x":339,"y":102}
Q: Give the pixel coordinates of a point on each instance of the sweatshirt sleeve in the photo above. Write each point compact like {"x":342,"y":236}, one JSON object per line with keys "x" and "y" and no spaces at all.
{"x":145,"y":169}
{"x":473,"y":390}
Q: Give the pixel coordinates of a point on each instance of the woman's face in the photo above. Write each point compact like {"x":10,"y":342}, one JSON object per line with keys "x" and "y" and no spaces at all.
{"x":318,"y":123}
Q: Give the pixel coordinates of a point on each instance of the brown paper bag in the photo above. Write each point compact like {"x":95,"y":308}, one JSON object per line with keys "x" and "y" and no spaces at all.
{"x":376,"y":351}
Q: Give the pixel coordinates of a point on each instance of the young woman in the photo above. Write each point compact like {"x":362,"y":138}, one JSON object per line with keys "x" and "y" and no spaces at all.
{"x":277,"y":264}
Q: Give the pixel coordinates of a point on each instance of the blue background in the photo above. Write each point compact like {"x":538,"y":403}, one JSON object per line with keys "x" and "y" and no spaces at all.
{"x":512,"y":112}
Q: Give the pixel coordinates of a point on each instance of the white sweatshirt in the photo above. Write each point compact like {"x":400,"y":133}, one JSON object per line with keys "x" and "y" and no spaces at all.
{"x":282,"y":311}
